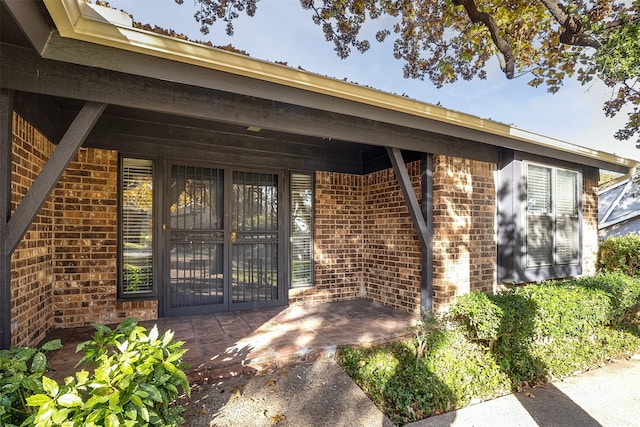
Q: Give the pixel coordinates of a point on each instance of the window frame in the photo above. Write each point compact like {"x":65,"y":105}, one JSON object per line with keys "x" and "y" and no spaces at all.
{"x":311,"y":233}
{"x":152,"y":292}
{"x":555,"y":268}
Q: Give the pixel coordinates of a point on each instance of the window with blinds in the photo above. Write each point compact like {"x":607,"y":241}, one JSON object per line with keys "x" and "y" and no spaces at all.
{"x":136,"y":227}
{"x":301,"y":229}
{"x":552,"y":231}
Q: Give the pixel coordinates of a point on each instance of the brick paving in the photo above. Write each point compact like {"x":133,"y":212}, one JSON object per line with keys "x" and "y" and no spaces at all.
{"x":225,"y":344}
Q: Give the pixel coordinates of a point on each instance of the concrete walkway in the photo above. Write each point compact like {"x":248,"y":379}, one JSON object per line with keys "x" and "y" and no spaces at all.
{"x":609,"y":396}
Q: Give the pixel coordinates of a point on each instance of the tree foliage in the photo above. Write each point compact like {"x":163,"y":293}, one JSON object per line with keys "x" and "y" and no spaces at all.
{"x":447,"y":40}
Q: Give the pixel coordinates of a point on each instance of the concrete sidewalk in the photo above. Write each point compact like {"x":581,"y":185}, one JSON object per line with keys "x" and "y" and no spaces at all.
{"x":609,"y":396}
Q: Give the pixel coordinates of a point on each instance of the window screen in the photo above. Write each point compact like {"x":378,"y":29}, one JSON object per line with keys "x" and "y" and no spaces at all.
{"x":136,"y":227}
{"x":301,"y":229}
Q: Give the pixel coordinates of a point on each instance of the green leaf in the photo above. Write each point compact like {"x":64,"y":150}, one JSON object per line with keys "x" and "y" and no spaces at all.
{"x":144,"y":413}
{"x":52,"y":345}
{"x":39,"y":363}
{"x":114,"y":402}
{"x":70,"y":400}
{"x":153,"y":391}
{"x":50,"y":386}
{"x":131,"y":412}
{"x":60,"y":415}
{"x":104,"y":330}
{"x":136,"y":399}
{"x":167,"y":337}
{"x":82,"y":376}
{"x":25,"y":354}
{"x":96,"y":400}
{"x":175,"y":356}
{"x":112,"y":421}
{"x":143,"y":394}
{"x":32,"y":383}
{"x":38,"y":400}
{"x":95,"y":416}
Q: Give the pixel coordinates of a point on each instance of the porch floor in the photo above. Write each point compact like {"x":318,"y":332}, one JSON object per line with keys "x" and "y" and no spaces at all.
{"x":226,"y":344}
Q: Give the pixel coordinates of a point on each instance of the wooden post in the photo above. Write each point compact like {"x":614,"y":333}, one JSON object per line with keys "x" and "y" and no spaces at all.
{"x":426,"y":291}
{"x":6,"y":135}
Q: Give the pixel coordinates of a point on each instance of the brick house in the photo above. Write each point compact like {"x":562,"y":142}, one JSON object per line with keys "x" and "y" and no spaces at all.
{"x":148,"y":176}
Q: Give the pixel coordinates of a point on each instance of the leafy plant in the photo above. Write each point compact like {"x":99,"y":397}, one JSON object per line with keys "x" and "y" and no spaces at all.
{"x":479,"y":315}
{"x":137,"y":376}
{"x":620,"y":254}
{"x":489,"y":344}
{"x":430,"y":333}
{"x":451,"y":372}
{"x":21,"y":375}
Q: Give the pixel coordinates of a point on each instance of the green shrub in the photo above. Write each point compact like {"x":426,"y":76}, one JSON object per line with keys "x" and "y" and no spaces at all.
{"x":21,"y":372}
{"x":623,"y":292}
{"x":451,"y":373}
{"x":620,"y":254}
{"x":137,"y":377}
{"x":479,"y":315}
{"x":562,"y":308}
{"x":489,"y":344}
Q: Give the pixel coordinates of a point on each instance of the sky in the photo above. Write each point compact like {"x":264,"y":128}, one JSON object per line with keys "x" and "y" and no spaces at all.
{"x":282,"y":31}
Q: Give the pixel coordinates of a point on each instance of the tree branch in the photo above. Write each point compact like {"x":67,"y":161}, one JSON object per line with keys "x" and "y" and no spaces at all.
{"x":573,"y":33}
{"x":505,"y":52}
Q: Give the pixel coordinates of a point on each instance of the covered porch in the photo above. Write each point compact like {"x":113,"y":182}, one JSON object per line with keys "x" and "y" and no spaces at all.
{"x":224,"y":344}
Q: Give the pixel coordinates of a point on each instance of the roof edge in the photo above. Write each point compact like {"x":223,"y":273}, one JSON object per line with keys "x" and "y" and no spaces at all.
{"x":87,"y":22}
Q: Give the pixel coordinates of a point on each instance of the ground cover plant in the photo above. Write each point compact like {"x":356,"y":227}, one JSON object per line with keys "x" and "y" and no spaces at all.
{"x":489,"y":345}
{"x":137,"y":377}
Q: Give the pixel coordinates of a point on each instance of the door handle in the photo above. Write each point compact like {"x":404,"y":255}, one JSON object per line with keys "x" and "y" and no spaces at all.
{"x":233,"y":237}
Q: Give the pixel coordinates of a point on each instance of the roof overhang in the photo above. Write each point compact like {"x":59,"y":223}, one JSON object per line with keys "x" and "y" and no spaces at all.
{"x":84,"y":22}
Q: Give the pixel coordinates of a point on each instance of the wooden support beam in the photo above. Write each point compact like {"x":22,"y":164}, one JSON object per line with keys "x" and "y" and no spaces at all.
{"x":426,"y":291}
{"x":409,"y":196}
{"x":6,"y":136}
{"x":45,"y":182}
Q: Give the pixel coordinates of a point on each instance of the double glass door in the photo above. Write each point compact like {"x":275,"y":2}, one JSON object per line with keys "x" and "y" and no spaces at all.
{"x":224,"y":240}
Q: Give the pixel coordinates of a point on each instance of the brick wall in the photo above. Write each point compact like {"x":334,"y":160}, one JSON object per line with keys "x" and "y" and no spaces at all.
{"x":63,"y":273}
{"x":338,"y":240}
{"x":32,"y":263}
{"x":464,"y":199}
{"x":392,"y":267}
{"x":589,"y":226}
{"x":365,"y":243}
{"x":86,"y":233}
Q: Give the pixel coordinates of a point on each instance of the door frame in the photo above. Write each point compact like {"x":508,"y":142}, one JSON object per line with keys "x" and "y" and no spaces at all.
{"x":163,"y":249}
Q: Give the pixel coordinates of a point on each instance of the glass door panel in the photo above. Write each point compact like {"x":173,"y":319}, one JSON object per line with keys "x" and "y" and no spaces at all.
{"x":196,"y":240}
{"x":254,"y":238}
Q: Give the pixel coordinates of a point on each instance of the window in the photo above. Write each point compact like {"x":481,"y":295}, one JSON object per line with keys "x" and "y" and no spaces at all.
{"x":301,"y":229}
{"x":552,"y":215}
{"x":136,"y":227}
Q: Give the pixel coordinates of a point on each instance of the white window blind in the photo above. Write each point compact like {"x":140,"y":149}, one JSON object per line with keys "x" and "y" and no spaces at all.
{"x":567,"y":219}
{"x":137,"y":227}
{"x":301,"y":229}
{"x":553,"y":230}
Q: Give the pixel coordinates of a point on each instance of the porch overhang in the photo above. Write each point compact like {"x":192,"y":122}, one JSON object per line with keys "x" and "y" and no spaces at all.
{"x":91,"y":35}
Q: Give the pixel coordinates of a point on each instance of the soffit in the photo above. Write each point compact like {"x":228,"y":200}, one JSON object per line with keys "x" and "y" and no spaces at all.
{"x":76,"y":20}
